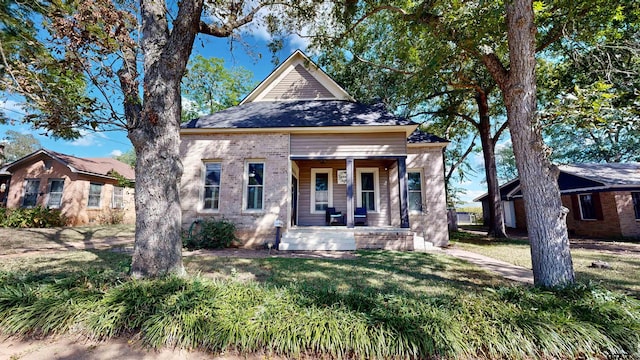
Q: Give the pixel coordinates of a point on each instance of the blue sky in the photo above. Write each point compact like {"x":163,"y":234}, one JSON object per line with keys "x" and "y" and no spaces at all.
{"x":251,"y":54}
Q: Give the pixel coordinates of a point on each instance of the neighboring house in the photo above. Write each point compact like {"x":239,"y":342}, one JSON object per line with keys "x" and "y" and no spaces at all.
{"x":603,"y":200}
{"x":86,"y":190}
{"x":298,"y":145}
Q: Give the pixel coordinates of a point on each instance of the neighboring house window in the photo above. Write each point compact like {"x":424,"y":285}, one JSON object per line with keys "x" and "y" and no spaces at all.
{"x":368,"y":188}
{"x":321,"y":190}
{"x":255,"y":185}
{"x":415,"y":190}
{"x":56,"y":186}
{"x":587,"y":207}
{"x":211,"y":196}
{"x":31,"y":187}
{"x":117,"y":200}
{"x":95,"y":192}
{"x":636,"y":204}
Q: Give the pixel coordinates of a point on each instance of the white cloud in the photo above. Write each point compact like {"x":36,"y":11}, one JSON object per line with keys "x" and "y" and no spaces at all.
{"x":88,"y":138}
{"x":12,"y":109}
{"x":115,"y":152}
{"x":470,"y":195}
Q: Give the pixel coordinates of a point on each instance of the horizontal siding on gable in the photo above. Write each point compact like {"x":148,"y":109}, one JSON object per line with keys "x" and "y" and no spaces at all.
{"x":343,"y":145}
{"x":298,"y":84}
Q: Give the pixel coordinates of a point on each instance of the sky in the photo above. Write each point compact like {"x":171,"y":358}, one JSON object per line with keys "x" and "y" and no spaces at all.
{"x":252,"y":54}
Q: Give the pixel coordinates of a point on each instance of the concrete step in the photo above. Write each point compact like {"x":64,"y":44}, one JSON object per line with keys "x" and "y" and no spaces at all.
{"x":317,"y":240}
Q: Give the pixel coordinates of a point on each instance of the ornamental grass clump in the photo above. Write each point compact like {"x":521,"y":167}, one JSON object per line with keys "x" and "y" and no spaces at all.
{"x":318,"y":317}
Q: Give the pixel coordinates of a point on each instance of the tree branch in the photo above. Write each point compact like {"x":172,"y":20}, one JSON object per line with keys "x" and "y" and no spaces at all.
{"x":461,"y":159}
{"x":497,"y":70}
{"x":502,"y":128}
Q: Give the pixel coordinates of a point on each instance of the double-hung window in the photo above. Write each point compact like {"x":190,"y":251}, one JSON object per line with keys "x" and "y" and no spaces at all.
{"x":117,"y":200}
{"x":587,"y":207}
{"x":56,"y":186}
{"x":368,"y":188}
{"x":95,"y":194}
{"x":321,"y":190}
{"x":415,"y":190}
{"x":211,"y":194}
{"x":31,"y":188}
{"x":255,"y":186}
{"x":636,"y":204}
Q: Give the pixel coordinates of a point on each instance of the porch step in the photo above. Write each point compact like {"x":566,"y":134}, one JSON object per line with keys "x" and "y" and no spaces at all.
{"x":317,"y":239}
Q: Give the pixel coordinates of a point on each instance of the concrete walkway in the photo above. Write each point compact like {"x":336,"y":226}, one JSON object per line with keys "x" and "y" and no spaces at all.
{"x":504,"y":269}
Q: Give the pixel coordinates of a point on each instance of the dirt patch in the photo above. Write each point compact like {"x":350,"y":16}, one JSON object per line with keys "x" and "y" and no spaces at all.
{"x":78,"y":348}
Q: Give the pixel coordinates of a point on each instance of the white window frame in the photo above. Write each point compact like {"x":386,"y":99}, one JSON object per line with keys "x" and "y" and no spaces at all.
{"x":409,"y":191}
{"x":314,"y":172}
{"x":595,"y":216}
{"x":376,"y":187}
{"x":113,"y":197}
{"x":99,"y":199}
{"x":24,"y":192}
{"x":203,"y":187}
{"x":245,"y":191}
{"x":49,"y":183}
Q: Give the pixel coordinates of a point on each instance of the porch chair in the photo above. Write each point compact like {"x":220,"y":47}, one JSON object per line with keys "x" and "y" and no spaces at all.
{"x":334,"y":217}
{"x":360,"y":216}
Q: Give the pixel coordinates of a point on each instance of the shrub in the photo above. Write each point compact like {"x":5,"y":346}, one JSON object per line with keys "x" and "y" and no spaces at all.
{"x":36,"y":217}
{"x":210,"y":234}
{"x":111,"y":217}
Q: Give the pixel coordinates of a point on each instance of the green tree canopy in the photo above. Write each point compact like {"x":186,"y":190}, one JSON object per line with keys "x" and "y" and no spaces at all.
{"x":18,"y":145}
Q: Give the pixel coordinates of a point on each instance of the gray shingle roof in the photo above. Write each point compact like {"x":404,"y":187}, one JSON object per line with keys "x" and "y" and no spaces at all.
{"x":421,"y":137}
{"x":303,"y":113}
{"x":611,"y":174}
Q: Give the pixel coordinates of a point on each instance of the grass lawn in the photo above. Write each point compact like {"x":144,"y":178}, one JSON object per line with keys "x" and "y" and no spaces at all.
{"x":15,"y":240}
{"x":381,"y":304}
{"x":624,"y":275}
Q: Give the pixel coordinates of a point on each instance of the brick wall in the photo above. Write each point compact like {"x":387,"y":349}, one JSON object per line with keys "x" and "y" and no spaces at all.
{"x":608,"y":226}
{"x":434,"y":220}
{"x":396,"y":240}
{"x":629,"y":226}
{"x":234,"y":151}
{"x":618,"y":217}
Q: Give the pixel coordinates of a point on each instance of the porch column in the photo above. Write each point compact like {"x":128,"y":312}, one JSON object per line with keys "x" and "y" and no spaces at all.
{"x":350,"y":204}
{"x":404,"y":192}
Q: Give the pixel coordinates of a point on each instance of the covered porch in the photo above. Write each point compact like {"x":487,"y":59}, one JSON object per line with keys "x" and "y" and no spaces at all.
{"x":376,"y":185}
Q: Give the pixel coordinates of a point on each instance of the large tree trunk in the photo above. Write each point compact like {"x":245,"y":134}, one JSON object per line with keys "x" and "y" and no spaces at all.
{"x":546,"y":218}
{"x":156,"y":138}
{"x":496,"y":218}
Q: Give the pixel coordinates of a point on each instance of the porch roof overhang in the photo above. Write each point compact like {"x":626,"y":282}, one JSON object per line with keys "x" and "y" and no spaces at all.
{"x":355,"y":157}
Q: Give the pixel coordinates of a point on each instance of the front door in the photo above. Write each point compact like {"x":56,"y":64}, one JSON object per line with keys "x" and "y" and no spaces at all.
{"x":294,"y":201}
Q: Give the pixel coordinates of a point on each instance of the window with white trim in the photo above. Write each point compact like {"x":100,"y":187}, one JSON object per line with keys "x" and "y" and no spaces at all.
{"x":31,"y":188}
{"x":368,"y":188}
{"x":117,"y":198}
{"x":56,"y":186}
{"x":321,"y":190}
{"x":95,"y":195}
{"x":255,"y":186}
{"x":415,"y":190}
{"x":636,"y":204}
{"x":211,"y":193}
{"x":587,"y":207}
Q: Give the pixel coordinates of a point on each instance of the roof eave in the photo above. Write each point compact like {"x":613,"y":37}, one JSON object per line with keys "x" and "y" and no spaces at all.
{"x":408,"y":129}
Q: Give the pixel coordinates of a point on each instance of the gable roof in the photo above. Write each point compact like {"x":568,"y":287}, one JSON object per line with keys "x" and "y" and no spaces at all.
{"x":297,"y":78}
{"x":575,"y":178}
{"x":296,"y":114}
{"x":101,"y":167}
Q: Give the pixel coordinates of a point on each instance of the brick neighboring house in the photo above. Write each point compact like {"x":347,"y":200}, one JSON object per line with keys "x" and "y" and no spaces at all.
{"x":86,"y":190}
{"x":298,"y":145}
{"x":603,"y":200}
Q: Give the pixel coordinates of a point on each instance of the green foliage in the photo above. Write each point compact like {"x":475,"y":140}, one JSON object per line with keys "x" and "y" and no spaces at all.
{"x":129,"y":157}
{"x":18,"y":145}
{"x":211,"y":234}
{"x":36,"y":217}
{"x":318,"y":317}
{"x":211,"y":87}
